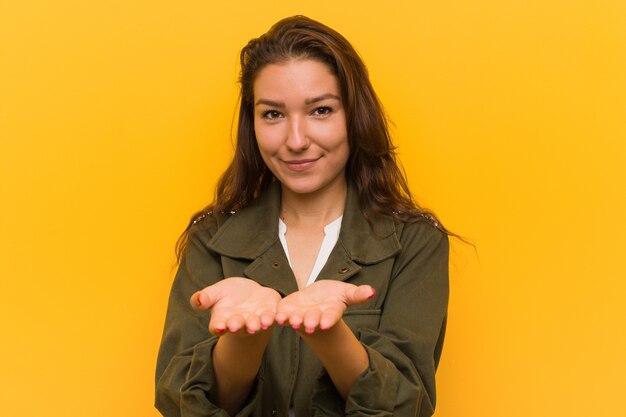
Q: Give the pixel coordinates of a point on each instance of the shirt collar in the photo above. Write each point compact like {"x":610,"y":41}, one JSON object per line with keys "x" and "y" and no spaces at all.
{"x":250,"y":232}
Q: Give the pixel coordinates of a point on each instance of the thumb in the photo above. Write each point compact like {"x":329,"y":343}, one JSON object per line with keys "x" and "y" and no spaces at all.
{"x":204,"y":300}
{"x":360,"y":294}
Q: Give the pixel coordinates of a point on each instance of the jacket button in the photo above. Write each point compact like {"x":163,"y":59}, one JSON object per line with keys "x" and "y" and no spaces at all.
{"x":275,"y":265}
{"x":344,"y":270}
{"x":274,"y":412}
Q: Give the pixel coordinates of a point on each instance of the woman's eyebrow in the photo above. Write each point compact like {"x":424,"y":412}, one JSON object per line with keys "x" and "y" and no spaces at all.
{"x":309,"y":101}
{"x":269,"y":103}
{"x":322,"y":97}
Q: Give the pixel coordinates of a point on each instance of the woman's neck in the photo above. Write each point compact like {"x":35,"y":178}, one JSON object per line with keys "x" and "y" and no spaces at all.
{"x":313,"y":209}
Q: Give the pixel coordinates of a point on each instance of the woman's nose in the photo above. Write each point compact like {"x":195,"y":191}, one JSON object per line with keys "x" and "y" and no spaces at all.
{"x":297,"y":138}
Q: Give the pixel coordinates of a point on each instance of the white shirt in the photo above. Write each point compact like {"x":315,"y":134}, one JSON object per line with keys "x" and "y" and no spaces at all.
{"x":331,"y":236}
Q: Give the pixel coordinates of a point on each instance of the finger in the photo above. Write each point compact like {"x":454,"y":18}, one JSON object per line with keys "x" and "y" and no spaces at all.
{"x":360,"y":294}
{"x":267,"y":319}
{"x":283,"y":311}
{"x":330,"y":317}
{"x":204,"y":299}
{"x":281,"y":318}
{"x":295,"y":319}
{"x":253,"y":324}
{"x":217,"y":325}
{"x":311,"y":320}
{"x":235,"y":323}
{"x":196,"y":301}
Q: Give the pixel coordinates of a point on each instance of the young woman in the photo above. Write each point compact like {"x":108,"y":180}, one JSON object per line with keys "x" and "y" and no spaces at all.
{"x":313,"y":284}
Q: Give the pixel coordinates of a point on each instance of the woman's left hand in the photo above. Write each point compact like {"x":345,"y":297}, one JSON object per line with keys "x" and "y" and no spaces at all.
{"x":320,"y":305}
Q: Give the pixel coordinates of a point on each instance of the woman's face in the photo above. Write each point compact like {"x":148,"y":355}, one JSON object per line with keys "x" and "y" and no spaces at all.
{"x":300,"y":125}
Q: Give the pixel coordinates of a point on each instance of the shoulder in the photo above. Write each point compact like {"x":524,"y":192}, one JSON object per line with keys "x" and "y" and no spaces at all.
{"x":205,"y":224}
{"x":423,"y":258}
{"x":421,"y":237}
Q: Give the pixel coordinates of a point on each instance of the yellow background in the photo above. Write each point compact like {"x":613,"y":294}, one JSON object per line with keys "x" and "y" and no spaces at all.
{"x":510,"y":119}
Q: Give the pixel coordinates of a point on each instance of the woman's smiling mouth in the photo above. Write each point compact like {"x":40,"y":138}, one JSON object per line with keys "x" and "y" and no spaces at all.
{"x":300,"y":164}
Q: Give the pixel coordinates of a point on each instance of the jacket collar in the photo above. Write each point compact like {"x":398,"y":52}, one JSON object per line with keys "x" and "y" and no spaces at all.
{"x":250,"y":232}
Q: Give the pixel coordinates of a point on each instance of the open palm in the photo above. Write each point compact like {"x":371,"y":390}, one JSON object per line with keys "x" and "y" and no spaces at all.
{"x":320,"y":305}
{"x":237,"y":304}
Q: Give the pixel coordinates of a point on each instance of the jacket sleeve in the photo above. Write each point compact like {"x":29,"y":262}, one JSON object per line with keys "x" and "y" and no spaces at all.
{"x":404,"y":350}
{"x":185,"y":381}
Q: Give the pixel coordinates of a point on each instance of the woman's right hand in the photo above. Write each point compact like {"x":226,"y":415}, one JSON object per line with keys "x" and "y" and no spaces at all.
{"x":243,"y":312}
{"x":237,"y":304}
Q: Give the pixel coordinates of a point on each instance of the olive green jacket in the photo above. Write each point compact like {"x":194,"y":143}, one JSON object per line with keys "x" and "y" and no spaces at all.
{"x":401,"y":328}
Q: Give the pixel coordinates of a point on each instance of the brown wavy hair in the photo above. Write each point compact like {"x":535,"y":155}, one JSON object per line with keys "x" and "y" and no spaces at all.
{"x":372,"y":165}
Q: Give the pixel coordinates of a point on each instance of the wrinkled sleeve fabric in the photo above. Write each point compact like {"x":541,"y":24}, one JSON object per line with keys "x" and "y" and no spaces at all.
{"x":404,"y":350}
{"x":185,"y":381}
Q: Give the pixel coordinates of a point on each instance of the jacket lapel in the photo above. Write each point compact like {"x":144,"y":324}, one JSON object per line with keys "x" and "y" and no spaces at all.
{"x":360,"y":242}
{"x":252,"y":234}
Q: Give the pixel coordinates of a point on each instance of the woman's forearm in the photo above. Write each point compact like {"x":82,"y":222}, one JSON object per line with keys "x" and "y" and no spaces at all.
{"x":341,"y":353}
{"x":236,"y":362}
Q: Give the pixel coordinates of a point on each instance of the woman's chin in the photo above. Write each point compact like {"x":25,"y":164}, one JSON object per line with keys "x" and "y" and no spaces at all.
{"x":311,"y":187}
{"x":300,"y":188}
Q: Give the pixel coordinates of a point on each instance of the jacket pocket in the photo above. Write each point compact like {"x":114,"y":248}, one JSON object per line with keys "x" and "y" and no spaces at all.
{"x":357,"y":318}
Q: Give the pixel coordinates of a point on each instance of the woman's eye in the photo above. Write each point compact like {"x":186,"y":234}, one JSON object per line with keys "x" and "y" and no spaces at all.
{"x":322,"y":111}
{"x":271,"y":114}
